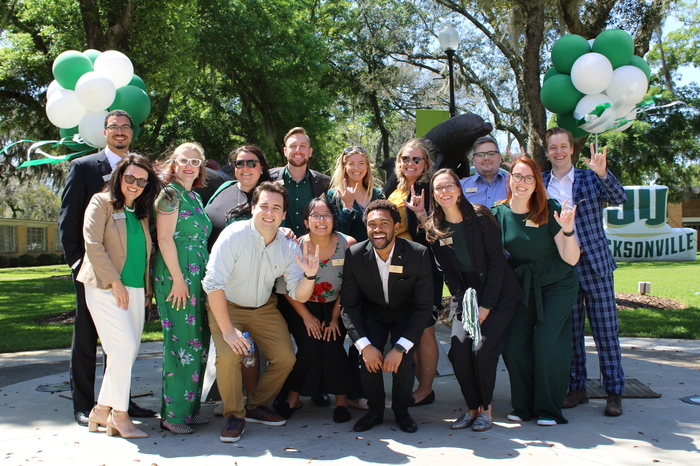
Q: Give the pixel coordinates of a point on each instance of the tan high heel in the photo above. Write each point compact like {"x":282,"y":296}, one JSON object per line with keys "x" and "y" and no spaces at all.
{"x":119,"y":421}
{"x":98,"y":417}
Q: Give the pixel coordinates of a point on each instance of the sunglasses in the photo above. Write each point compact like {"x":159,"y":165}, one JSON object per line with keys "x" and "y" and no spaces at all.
{"x":183,"y":161}
{"x":415,"y":160}
{"x":140,"y":182}
{"x":359,"y":149}
{"x":248,"y":163}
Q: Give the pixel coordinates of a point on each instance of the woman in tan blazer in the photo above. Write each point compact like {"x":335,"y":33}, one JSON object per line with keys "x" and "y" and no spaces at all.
{"x":116,"y":276}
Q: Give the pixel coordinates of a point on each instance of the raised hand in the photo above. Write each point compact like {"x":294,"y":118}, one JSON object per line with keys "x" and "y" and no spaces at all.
{"x":417,"y":203}
{"x":514,"y":157}
{"x":309,"y":262}
{"x":566,"y":218}
{"x":347,"y":194}
{"x":598,"y":162}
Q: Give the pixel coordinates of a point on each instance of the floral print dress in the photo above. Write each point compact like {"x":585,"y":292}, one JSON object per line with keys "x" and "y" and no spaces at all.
{"x":185,"y":331}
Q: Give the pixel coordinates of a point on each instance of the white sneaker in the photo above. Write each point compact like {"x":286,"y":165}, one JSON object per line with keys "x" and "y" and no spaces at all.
{"x":514,"y":417}
{"x":546,"y":421}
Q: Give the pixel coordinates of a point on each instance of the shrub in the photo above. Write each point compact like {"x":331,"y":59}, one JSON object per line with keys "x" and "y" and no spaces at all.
{"x":48,"y":259}
{"x":15,"y":262}
{"x":4,"y":262}
{"x":27,"y":260}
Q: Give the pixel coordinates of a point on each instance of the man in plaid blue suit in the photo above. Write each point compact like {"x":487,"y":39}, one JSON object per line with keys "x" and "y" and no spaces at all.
{"x":589,"y":190}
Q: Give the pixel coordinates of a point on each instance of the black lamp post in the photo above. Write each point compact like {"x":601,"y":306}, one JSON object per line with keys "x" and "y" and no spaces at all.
{"x":449,"y":41}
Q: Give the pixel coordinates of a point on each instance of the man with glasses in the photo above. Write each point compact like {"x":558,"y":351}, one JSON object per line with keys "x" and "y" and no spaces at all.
{"x":488,"y":184}
{"x":86,"y":177}
{"x":589,"y":190}
{"x":302,"y":183}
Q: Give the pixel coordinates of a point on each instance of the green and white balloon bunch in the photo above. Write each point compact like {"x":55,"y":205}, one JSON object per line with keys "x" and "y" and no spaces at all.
{"x":595,"y":86}
{"x":87,"y":86}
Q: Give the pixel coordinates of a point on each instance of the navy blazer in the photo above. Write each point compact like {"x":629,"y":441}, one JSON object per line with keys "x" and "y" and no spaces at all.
{"x":590,"y":193}
{"x":410,"y":291}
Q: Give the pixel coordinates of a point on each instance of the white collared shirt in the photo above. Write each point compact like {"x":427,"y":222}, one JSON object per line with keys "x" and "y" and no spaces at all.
{"x":562,"y":189}
{"x":113,"y":158}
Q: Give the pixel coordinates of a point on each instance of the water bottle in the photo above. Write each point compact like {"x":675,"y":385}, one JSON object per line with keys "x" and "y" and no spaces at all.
{"x":249,"y":357}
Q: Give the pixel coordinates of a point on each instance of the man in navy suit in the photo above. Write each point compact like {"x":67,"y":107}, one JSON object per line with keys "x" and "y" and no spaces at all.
{"x":589,"y":190}
{"x":87,"y":176}
{"x":387,"y":292}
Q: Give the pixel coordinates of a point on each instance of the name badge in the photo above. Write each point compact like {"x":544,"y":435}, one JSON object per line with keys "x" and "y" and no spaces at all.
{"x":530,"y":223}
{"x":118,"y":215}
{"x":471,"y":190}
{"x":107,"y":177}
{"x":446,"y":241}
{"x":396,"y":269}
{"x":337,"y":262}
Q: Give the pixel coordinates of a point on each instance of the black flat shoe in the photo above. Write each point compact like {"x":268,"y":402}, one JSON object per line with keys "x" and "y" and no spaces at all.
{"x":368,"y":421}
{"x":406,"y":423}
{"x":425,"y":401}
{"x":137,"y":411}
{"x":286,"y":411}
{"x":341,"y":414}
{"x":82,"y":418}
{"x":321,"y":399}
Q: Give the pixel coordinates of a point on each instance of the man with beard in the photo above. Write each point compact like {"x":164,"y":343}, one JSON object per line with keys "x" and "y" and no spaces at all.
{"x":86,"y":177}
{"x":302,"y":183}
{"x":488,"y":184}
{"x":387,"y":292}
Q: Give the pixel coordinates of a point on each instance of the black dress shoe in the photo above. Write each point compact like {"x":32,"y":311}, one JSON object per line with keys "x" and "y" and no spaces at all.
{"x":368,"y":421}
{"x":341,"y":414}
{"x":82,"y":418}
{"x":425,"y":401}
{"x":406,"y":423}
{"x":321,"y":399}
{"x":137,"y":411}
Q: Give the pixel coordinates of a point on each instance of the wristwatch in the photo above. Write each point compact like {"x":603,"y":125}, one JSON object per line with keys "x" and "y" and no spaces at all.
{"x":400,"y":349}
{"x":569,"y":234}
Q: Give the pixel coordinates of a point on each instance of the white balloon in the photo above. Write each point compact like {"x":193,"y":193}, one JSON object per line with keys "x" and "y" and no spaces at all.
{"x":588,"y":103}
{"x":629,"y":113}
{"x":116,"y":66}
{"x":591,"y":73}
{"x":63,"y":109}
{"x":95,"y":92}
{"x":91,"y":128}
{"x":625,"y":79}
{"x":53,"y":87}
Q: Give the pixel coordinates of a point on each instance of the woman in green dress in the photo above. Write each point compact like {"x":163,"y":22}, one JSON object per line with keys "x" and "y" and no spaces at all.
{"x":539,"y":235}
{"x":183,"y":230}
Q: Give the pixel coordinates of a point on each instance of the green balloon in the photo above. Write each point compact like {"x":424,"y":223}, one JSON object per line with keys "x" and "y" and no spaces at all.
{"x":567,"y":121}
{"x":550,"y":72}
{"x":134,"y":101}
{"x":138,"y":82}
{"x":68,"y":133}
{"x":92,"y":54}
{"x":567,"y":50}
{"x":616,"y":45}
{"x":137,"y":131}
{"x":559,"y":95}
{"x":640,"y":63}
{"x":69,"y":66}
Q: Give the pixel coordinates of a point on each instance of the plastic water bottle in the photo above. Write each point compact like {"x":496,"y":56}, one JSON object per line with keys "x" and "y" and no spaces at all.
{"x":249,"y":357}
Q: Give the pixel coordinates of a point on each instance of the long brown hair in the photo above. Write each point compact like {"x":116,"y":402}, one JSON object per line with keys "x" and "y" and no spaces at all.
{"x":538,"y":212}
{"x":143,"y":205}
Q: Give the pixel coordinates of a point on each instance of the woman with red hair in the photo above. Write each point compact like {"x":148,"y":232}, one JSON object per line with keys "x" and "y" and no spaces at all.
{"x":539,"y":235}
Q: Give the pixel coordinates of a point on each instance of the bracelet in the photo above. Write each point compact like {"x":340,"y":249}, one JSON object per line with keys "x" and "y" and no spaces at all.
{"x":312,"y":277}
{"x":569,"y":234}
{"x":349,"y":207}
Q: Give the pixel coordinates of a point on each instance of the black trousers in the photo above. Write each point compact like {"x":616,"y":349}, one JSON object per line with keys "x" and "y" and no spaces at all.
{"x":83,"y":357}
{"x":378,"y":329}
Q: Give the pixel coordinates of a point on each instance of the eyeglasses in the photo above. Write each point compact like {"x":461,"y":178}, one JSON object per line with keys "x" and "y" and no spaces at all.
{"x":140,"y":182}
{"x":492,"y":153}
{"x":518,"y":178}
{"x":248,"y":163}
{"x":359,"y":149}
{"x":184,"y":161}
{"x":115,"y":128}
{"x":317,"y":217}
{"x":415,"y":160}
{"x":449,"y":187}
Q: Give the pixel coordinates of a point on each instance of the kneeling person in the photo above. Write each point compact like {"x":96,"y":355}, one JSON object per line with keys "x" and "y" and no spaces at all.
{"x":245,"y":262}
{"x":387,"y":292}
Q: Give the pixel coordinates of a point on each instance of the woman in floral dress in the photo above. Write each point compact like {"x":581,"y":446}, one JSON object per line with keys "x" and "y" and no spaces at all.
{"x":318,"y":330}
{"x":183,"y":230}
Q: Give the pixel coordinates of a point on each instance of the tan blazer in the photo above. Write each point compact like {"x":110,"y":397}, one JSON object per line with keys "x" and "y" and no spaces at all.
{"x":105,"y":244}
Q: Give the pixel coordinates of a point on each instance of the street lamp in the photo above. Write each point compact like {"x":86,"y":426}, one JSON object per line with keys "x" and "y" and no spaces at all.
{"x":449,"y":41}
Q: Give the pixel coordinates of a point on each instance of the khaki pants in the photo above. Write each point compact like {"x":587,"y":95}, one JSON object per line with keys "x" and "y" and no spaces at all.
{"x":271,"y":335}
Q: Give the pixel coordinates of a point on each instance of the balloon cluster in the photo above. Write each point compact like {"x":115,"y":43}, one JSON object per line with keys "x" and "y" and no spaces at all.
{"x":594,"y":86}
{"x":87,"y":86}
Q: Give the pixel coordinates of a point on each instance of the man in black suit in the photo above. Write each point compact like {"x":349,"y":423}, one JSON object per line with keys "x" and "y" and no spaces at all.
{"x":87,"y":176}
{"x":387,"y":291}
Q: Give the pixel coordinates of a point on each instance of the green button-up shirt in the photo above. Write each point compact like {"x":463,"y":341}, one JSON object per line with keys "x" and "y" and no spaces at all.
{"x":300,"y":194}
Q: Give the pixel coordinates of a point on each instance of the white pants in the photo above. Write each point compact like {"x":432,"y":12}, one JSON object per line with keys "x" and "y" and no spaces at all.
{"x":120,"y":332}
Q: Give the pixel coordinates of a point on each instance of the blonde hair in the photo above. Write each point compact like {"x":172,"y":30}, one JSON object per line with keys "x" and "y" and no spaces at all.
{"x":339,"y":173}
{"x":429,"y":165}
{"x":168,"y":170}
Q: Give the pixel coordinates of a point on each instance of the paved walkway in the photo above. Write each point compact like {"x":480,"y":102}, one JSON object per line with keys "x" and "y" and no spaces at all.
{"x":38,"y":428}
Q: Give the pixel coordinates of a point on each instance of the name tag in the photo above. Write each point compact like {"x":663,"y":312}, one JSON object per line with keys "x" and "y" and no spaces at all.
{"x":530,"y":223}
{"x":396,"y":269}
{"x":118,"y":215}
{"x":337,"y":262}
{"x":471,"y":190}
{"x":446,"y":241}
{"x":107,"y":177}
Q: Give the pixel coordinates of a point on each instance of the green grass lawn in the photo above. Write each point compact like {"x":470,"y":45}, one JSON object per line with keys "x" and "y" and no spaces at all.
{"x":28,"y":294}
